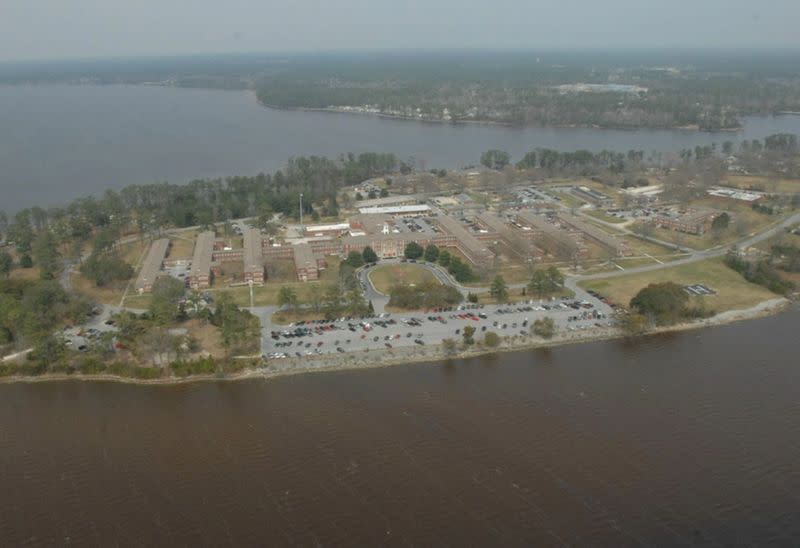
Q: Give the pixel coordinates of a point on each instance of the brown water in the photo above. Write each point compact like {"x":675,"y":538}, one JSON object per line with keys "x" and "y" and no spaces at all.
{"x":687,"y":439}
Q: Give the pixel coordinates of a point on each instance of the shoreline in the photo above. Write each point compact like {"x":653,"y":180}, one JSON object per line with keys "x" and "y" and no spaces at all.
{"x":495,"y":123}
{"x":411,"y":355}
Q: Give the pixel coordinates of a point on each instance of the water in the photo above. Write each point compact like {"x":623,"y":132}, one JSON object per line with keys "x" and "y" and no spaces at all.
{"x":60,"y":142}
{"x":685,"y":439}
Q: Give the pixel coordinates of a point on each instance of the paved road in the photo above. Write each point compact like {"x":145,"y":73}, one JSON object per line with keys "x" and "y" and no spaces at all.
{"x":695,"y":256}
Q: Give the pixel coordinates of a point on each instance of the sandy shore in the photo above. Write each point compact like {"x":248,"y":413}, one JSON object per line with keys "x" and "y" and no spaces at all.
{"x":405,"y":355}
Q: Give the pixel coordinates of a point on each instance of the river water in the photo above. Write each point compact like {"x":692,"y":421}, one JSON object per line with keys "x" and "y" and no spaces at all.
{"x":686,"y":439}
{"x":59,"y":142}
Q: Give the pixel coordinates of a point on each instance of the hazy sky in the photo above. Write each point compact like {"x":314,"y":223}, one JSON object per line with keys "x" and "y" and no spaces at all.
{"x":35,"y":29}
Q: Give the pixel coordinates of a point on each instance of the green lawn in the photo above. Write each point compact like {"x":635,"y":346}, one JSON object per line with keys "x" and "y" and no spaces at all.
{"x":733,"y":292}
{"x":384,"y":277}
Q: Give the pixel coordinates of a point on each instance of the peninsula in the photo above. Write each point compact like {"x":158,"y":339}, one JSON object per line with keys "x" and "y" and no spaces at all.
{"x":365,"y":260}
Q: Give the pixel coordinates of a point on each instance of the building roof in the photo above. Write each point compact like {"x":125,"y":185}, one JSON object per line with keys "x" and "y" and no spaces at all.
{"x":327,"y":228}
{"x":203,"y":251}
{"x":253,"y":255}
{"x":736,"y":194}
{"x":601,"y":236}
{"x":370,"y":223}
{"x":396,"y":210}
{"x":391,"y":200}
{"x":152,"y":264}
{"x":550,"y":230}
{"x":303,"y":256}
{"x":492,"y":222}
{"x":469,"y":243}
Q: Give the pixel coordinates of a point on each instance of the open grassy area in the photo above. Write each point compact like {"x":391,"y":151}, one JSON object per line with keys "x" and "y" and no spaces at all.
{"x":133,"y":251}
{"x":267,"y":294}
{"x":644,"y":247}
{"x":603,"y":216}
{"x":181,"y":247}
{"x":385,"y":276}
{"x":18,"y":273}
{"x":141,"y":302}
{"x":733,"y":292}
{"x":516,"y":295}
{"x":110,"y":294}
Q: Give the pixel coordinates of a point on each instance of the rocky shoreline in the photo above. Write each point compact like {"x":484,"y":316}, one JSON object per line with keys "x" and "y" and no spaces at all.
{"x":385,"y":358}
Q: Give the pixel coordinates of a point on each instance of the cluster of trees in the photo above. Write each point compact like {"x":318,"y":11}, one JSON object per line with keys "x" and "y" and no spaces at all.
{"x":544,"y":328}
{"x":457,"y":268}
{"x":762,"y":272}
{"x":499,"y":289}
{"x":660,"y":304}
{"x":709,"y":95}
{"x":239,"y":329}
{"x":104,"y":266}
{"x":545,"y":282}
{"x":32,"y":311}
{"x":430,"y":253}
{"x":424,"y":296}
{"x":355,"y":259}
{"x":495,"y":159}
{"x":786,"y":257}
{"x":39,"y":232}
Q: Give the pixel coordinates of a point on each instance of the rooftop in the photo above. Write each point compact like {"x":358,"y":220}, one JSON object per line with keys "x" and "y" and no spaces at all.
{"x":152,"y":264}
{"x":253,"y":256}
{"x":203,"y":251}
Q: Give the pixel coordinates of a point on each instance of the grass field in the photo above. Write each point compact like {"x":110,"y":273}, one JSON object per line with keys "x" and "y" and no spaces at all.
{"x":603,"y":216}
{"x":384,"y":277}
{"x":181,"y":247}
{"x":105,"y":295}
{"x":133,"y":251}
{"x":733,"y":292}
{"x":141,"y":302}
{"x":515,"y":295}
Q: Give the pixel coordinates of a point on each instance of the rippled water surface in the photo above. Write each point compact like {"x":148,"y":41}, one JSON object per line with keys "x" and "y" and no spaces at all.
{"x":684,"y":439}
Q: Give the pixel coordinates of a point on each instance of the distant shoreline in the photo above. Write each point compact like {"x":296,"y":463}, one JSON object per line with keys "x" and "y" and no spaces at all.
{"x":404,"y":356}
{"x":335,"y":110}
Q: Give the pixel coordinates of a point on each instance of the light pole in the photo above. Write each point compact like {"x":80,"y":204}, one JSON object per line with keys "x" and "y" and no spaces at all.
{"x":301,"y":214}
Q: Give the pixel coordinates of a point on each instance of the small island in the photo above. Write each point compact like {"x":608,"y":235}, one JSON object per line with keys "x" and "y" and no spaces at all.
{"x":364,"y":260}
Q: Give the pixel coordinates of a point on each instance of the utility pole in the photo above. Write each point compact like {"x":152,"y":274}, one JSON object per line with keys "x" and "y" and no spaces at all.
{"x":301,"y":214}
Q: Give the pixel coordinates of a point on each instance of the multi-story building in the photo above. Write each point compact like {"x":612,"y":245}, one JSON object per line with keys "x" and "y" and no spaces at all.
{"x":151,"y":268}
{"x":253,"y":256}
{"x":200,"y":271}
{"x":597,"y":235}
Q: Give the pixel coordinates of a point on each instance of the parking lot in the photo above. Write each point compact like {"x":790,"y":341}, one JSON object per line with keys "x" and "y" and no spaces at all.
{"x":432,"y":327}
{"x":81,"y":338}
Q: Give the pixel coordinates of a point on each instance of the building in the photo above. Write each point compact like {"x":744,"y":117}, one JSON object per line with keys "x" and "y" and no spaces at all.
{"x":393,"y":200}
{"x":750,"y":196}
{"x":553,"y":239}
{"x":690,"y":221}
{"x":597,"y":235}
{"x":592,"y":196}
{"x":329,"y":230}
{"x":151,"y":268}
{"x":398,"y":211}
{"x":200,"y":272}
{"x":305,"y":265}
{"x":253,"y":256}
{"x":472,"y":248}
{"x":499,"y":229}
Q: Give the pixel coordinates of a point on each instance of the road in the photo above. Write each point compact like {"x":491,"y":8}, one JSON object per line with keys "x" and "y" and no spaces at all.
{"x":695,"y":255}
